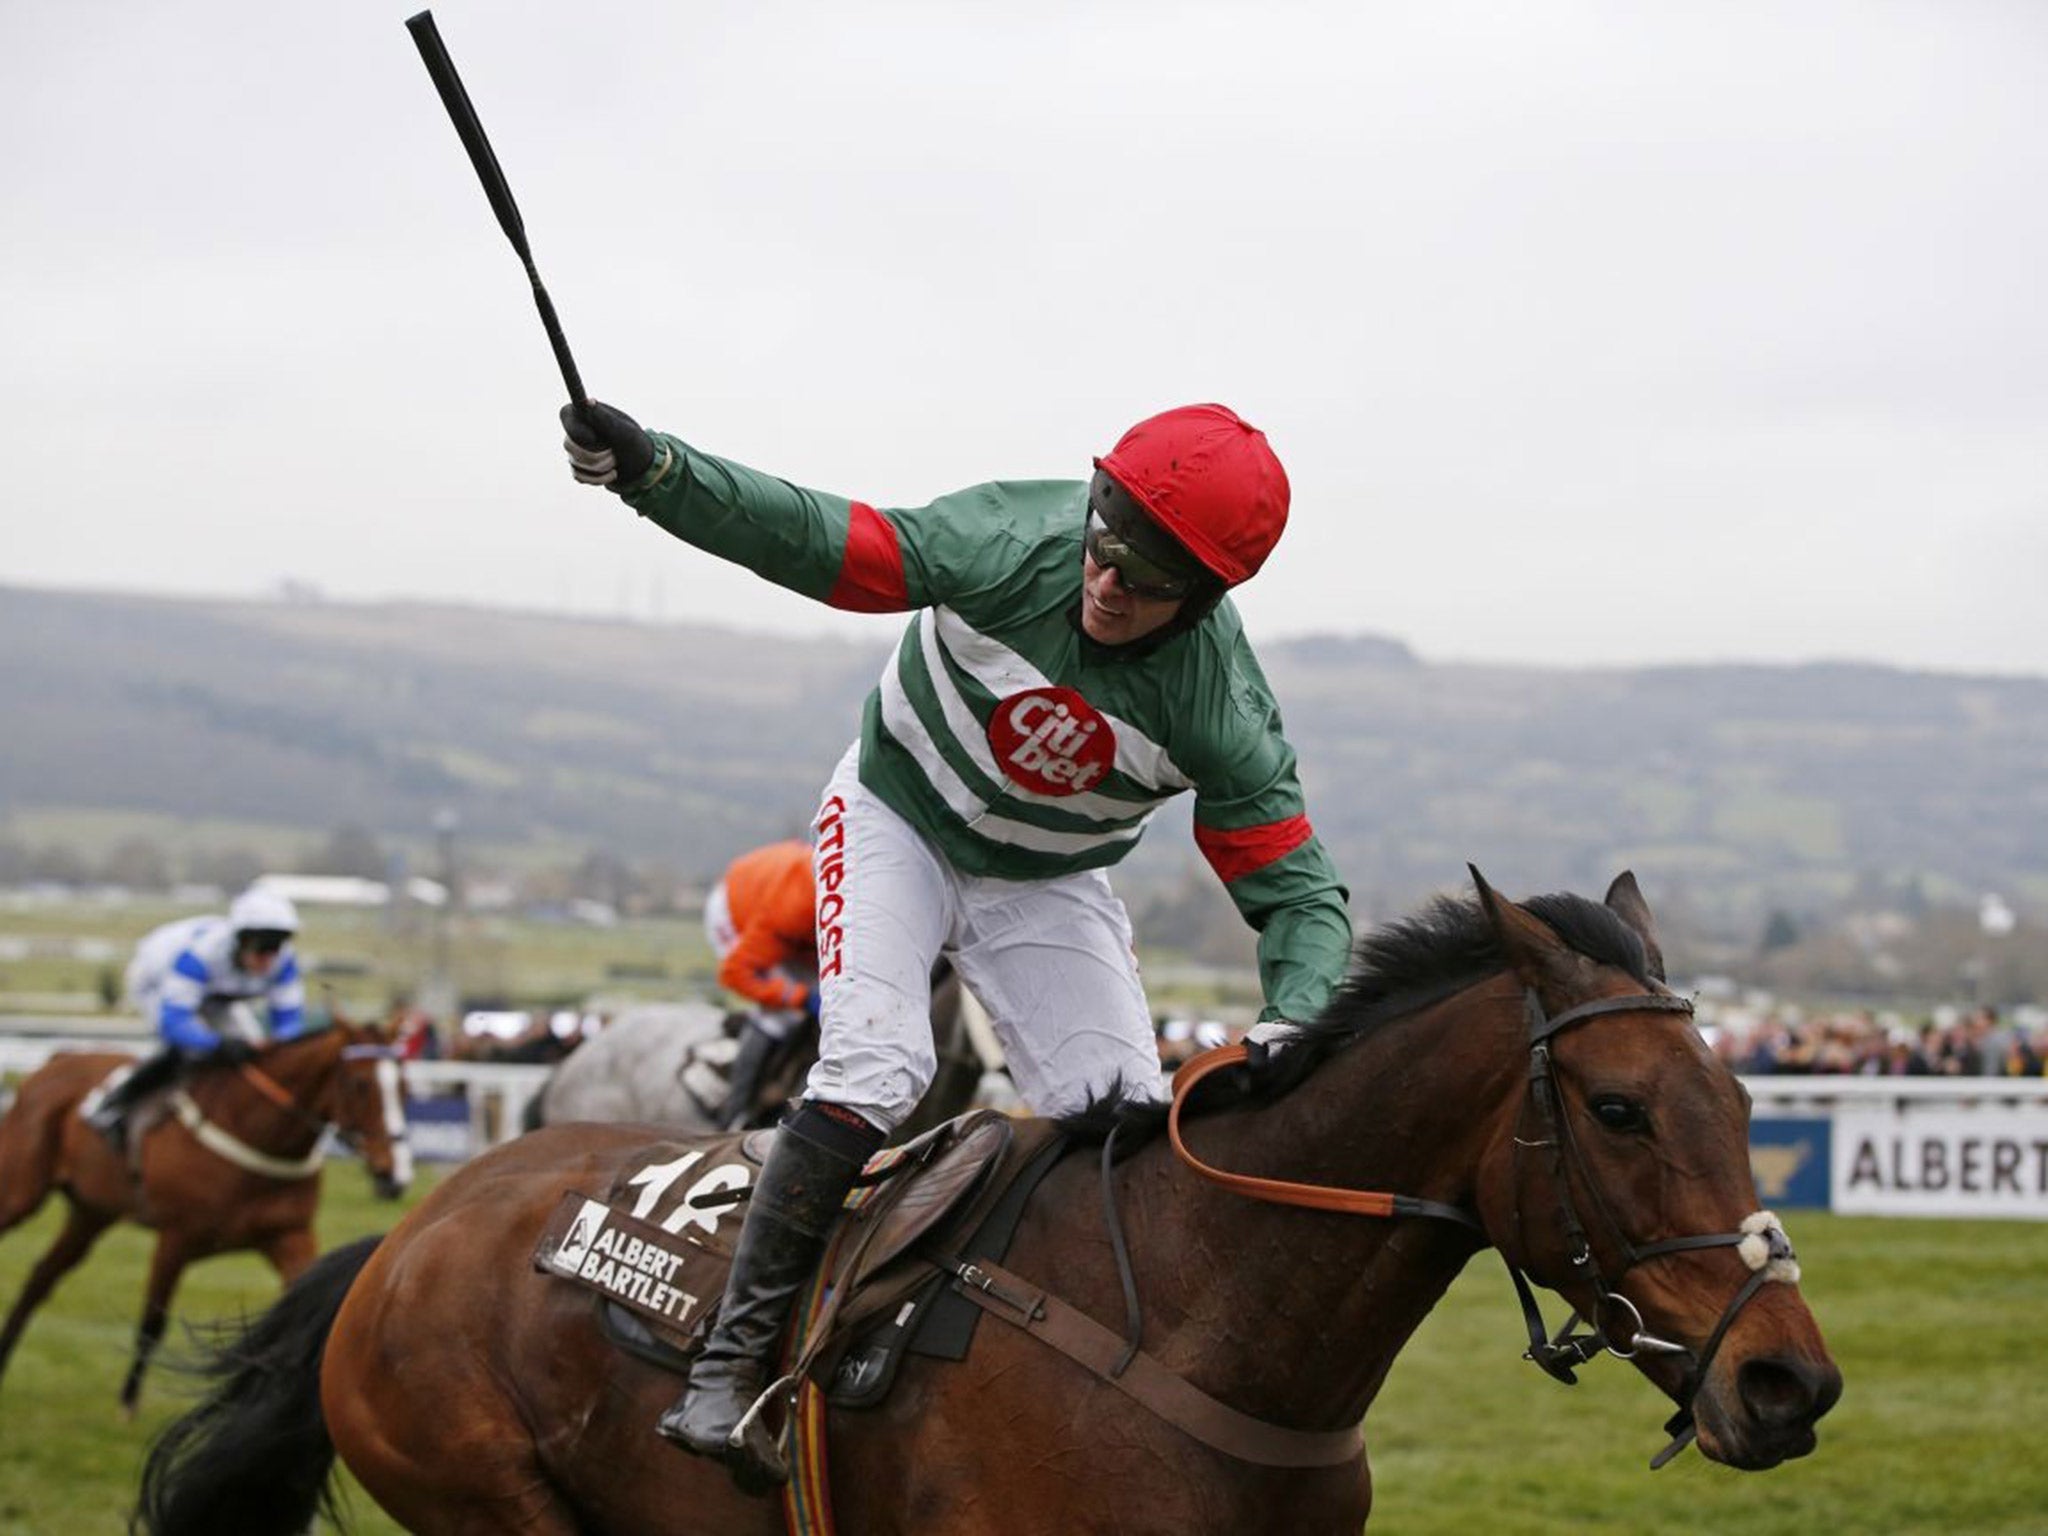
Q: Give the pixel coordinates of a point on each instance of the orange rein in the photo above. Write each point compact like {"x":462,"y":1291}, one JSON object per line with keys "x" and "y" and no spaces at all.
{"x":280,"y":1095}
{"x":1317,"y":1197}
{"x":268,"y":1086}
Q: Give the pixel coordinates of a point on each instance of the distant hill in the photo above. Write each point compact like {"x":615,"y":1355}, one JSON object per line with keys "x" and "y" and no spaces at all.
{"x":1733,"y":790}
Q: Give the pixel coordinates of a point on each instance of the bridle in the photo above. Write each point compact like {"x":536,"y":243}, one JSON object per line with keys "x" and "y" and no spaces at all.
{"x":1614,"y":1325}
{"x":284,"y":1099}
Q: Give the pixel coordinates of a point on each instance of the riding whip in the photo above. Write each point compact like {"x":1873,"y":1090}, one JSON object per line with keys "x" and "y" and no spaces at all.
{"x":471,"y":131}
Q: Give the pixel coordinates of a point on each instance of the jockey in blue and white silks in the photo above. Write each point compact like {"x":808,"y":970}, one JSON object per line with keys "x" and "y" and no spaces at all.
{"x":184,"y":970}
{"x":193,"y":981}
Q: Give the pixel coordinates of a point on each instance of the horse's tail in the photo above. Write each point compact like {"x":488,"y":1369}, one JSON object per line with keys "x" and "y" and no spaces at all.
{"x":254,"y":1456}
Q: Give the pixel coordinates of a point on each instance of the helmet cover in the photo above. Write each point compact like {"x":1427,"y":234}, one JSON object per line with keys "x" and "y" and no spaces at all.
{"x":1209,"y":478}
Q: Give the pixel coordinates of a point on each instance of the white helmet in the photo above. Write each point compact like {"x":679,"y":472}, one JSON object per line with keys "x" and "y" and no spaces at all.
{"x":260,"y":909}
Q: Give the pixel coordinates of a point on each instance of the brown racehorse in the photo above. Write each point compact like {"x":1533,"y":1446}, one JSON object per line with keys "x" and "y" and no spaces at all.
{"x":236,"y":1169}
{"x":471,"y":1395}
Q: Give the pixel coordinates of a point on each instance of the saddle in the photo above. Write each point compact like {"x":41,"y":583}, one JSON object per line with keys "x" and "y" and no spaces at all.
{"x":148,"y":1111}
{"x":656,"y":1246}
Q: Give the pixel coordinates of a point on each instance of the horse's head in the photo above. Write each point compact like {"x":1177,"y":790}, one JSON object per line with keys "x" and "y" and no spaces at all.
{"x":367,"y":1106}
{"x":1619,"y":1176}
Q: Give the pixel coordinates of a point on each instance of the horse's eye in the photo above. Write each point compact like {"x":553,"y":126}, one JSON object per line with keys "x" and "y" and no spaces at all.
{"x":1619,"y":1114}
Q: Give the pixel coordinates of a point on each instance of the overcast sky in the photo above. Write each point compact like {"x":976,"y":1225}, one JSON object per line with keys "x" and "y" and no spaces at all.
{"x":1589,"y":333}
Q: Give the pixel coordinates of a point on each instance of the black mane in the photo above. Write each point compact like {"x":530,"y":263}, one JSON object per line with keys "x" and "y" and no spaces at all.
{"x":1395,"y":970}
{"x":1447,"y":946}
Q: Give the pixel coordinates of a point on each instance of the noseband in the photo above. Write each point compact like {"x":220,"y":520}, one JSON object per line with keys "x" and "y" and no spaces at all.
{"x":1615,"y":1325}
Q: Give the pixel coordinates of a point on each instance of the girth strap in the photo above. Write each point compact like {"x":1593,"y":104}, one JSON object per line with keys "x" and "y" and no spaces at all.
{"x":1143,"y":1379}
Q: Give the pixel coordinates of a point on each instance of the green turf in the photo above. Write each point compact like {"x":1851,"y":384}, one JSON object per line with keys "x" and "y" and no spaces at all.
{"x":68,"y":1460}
{"x":1937,"y":1327}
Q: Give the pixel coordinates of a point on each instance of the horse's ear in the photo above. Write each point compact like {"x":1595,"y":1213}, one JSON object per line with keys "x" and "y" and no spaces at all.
{"x":1538,"y":955}
{"x":1625,"y":900}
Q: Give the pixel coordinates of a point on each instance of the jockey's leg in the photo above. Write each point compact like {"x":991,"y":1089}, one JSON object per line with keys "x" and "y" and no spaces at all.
{"x":798,"y":1196}
{"x":761,"y":1039}
{"x":110,"y":1116}
{"x":885,"y":907}
{"x":1052,"y":962}
{"x":765,"y":1037}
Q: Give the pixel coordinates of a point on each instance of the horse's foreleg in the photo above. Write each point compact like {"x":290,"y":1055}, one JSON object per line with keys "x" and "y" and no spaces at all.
{"x":166,"y":1264}
{"x":81,"y":1230}
{"x":292,"y":1253}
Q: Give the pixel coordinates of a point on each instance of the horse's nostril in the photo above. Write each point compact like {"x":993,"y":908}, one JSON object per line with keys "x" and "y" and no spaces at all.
{"x":1785,"y":1391}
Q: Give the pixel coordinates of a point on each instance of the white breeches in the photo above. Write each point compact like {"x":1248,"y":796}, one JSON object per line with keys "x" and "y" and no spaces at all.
{"x":1051,"y":960}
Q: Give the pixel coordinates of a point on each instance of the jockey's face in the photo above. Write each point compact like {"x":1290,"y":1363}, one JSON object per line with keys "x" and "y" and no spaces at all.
{"x":256,"y":953}
{"x":1134,"y":576}
{"x":1111,"y":614}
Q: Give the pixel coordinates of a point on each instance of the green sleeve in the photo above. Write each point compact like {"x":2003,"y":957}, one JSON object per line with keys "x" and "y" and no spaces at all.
{"x":794,"y":537}
{"x":838,"y":550}
{"x":1252,"y":824}
{"x":1297,"y":905}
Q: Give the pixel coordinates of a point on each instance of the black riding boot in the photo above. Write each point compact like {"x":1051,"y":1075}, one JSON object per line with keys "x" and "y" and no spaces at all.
{"x":743,"y":1077}
{"x":810,"y":1168}
{"x":110,"y":1116}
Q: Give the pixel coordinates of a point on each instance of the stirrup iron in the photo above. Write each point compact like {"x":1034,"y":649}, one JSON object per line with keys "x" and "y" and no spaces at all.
{"x":751,"y":1437}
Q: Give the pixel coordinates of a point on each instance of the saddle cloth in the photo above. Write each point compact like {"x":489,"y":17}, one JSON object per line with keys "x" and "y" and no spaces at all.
{"x":657,"y":1245}
{"x":106,"y":1085}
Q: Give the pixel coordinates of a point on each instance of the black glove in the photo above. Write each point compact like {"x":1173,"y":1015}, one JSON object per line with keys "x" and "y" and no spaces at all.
{"x":606,"y":446}
{"x":1266,"y":1045}
{"x":233,"y":1051}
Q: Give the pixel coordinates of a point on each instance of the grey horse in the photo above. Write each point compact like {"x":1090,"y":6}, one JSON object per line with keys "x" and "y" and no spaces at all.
{"x":663,"y":1064}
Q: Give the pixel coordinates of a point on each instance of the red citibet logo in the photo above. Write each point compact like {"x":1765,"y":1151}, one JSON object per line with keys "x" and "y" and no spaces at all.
{"x":1051,"y":741}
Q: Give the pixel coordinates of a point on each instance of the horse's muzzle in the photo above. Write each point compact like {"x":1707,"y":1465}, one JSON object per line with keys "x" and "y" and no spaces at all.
{"x":1770,"y":1415}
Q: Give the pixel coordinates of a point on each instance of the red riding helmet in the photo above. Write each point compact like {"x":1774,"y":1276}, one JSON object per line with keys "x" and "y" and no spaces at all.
{"x":1209,"y":478}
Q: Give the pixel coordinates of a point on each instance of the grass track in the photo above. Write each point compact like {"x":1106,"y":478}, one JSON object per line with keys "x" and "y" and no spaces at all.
{"x":68,"y":1462}
{"x":1938,"y":1327}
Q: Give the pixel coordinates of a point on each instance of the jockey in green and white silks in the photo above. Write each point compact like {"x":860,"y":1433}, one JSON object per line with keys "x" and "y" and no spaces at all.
{"x":1073,"y":663}
{"x":1004,"y":758}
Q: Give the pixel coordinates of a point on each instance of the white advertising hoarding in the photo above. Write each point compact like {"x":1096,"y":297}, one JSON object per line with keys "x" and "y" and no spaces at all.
{"x":1941,"y":1159}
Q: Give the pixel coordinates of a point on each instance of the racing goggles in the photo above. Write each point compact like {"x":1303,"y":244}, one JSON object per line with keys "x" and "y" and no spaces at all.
{"x":263,"y":941}
{"x":1141,"y":575}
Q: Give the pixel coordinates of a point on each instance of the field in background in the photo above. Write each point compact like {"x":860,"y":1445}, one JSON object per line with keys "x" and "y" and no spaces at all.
{"x":60,"y":957}
{"x":1937,"y":1327}
{"x":363,"y":958}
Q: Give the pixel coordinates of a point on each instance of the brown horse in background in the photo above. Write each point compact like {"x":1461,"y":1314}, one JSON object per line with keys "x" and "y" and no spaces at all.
{"x":470,"y":1394}
{"x":236,"y":1168}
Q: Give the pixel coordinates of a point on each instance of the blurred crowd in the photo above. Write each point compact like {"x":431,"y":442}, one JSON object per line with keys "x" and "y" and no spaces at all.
{"x":1755,"y":1039}
{"x":1950,"y":1042}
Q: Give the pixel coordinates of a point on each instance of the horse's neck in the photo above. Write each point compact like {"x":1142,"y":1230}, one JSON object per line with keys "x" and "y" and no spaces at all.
{"x":1297,"y":1315}
{"x":306,"y":1074}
